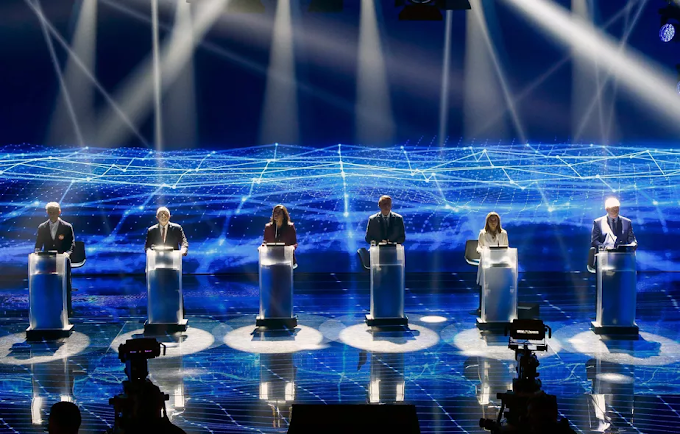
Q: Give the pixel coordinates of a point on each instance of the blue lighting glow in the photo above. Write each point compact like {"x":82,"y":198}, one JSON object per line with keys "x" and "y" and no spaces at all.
{"x":547,"y":196}
{"x":667,"y":32}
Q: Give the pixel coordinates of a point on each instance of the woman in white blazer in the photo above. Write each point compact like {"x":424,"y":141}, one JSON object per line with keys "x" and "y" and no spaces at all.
{"x":493,"y":234}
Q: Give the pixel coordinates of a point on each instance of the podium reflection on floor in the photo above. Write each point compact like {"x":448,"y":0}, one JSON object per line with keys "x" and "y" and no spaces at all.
{"x":52,"y":382}
{"x":612,"y":400}
{"x":387,"y":385}
{"x":277,"y":385}
{"x":168,"y":374}
{"x":493,"y":377}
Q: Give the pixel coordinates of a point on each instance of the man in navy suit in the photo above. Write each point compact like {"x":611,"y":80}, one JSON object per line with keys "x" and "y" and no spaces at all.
{"x":385,"y":226}
{"x":166,"y":233}
{"x":612,"y":230}
{"x":57,"y":235}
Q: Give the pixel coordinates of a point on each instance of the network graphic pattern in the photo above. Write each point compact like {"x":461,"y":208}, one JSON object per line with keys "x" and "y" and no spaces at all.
{"x":547,"y":196}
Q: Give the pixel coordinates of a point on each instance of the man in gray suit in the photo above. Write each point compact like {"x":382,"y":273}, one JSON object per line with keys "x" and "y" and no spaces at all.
{"x":612,"y":229}
{"x":385,"y":226}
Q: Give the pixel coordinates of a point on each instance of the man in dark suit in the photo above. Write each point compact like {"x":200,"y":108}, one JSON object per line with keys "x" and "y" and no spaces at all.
{"x":166,"y":233}
{"x":385,"y":226}
{"x":57,"y":235}
{"x":612,"y":230}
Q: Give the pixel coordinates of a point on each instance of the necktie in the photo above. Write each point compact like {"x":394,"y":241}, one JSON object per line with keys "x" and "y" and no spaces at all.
{"x":163,"y":230}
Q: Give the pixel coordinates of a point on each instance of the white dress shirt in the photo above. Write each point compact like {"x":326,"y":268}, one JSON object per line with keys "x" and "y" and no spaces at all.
{"x":164,"y":231}
{"x":53,"y":228}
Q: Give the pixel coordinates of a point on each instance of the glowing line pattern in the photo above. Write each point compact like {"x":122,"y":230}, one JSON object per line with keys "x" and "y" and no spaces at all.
{"x":223,"y":199}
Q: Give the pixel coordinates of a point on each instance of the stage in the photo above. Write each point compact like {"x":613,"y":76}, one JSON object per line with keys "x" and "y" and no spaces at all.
{"x":223,"y":377}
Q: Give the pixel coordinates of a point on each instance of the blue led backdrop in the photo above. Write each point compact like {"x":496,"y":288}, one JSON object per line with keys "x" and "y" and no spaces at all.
{"x":547,"y":196}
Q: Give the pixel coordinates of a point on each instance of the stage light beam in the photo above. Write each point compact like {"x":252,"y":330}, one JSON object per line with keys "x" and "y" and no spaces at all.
{"x":136,"y":95}
{"x":374,"y":120}
{"x":280,"y":109}
{"x":444,"y":93}
{"x":485,"y":79}
{"x":78,"y":90}
{"x":638,"y":75}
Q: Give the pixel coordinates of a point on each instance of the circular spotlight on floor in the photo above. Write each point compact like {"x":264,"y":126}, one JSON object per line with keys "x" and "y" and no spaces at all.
{"x":251,"y":339}
{"x":473,"y":343}
{"x":433,"y":319}
{"x":414,"y":338}
{"x":15,"y":350}
{"x":667,"y":32}
{"x":193,"y":340}
{"x":650,"y":350}
{"x":611,"y":377}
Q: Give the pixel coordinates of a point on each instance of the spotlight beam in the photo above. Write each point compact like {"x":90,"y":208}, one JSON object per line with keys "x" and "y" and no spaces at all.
{"x":116,"y":109}
{"x":601,"y":85}
{"x":374,"y":121}
{"x":478,"y":13}
{"x":528,"y":90}
{"x":638,"y":75}
{"x":77,"y":87}
{"x":136,"y":93}
{"x":279,"y":113}
{"x":158,"y":119}
{"x":444,"y":95}
{"x":57,"y":69}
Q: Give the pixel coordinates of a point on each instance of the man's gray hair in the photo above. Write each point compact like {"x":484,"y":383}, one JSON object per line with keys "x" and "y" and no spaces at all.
{"x":161,"y":209}
{"x":52,"y":205}
{"x":611,"y":203}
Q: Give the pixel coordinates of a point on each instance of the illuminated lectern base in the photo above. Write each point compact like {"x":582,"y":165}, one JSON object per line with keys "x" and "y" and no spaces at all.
{"x":276,"y":287}
{"x":498,"y":268}
{"x":48,"y":311}
{"x":165,"y":306}
{"x":616,"y":294}
{"x":387,"y":286}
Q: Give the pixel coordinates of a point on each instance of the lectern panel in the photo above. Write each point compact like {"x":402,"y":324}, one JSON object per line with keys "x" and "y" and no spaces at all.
{"x":276,"y":281}
{"x":164,"y":286}
{"x":47,"y":291}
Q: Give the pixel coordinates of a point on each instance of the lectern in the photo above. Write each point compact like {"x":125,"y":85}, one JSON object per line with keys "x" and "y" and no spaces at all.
{"x":47,"y":297}
{"x":276,"y":286}
{"x":164,"y":289}
{"x":616,"y":292}
{"x":498,"y":268}
{"x":387,"y":286}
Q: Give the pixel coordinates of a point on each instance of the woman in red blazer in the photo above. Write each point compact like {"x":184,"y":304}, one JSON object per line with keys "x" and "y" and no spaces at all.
{"x":280,"y":229}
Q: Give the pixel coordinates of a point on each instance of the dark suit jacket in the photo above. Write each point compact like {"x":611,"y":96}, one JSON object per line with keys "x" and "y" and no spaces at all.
{"x":376,"y":230}
{"x":625,"y":233}
{"x":175,"y":237}
{"x":64,"y":242}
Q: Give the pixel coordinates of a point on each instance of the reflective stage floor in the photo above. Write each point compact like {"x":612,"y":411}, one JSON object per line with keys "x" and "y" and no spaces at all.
{"x":223,"y":377}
